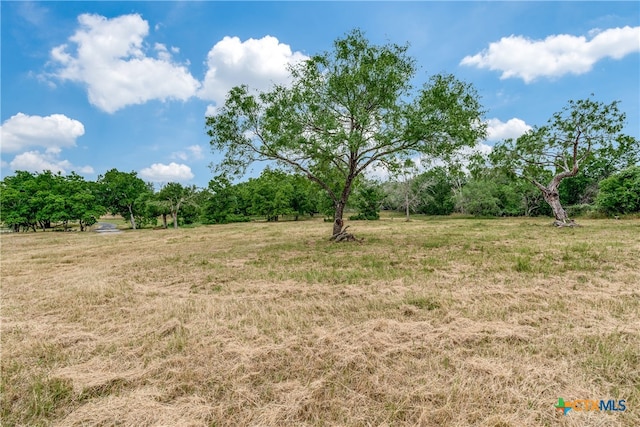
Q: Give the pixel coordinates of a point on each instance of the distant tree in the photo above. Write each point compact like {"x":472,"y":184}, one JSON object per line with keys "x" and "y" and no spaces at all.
{"x":175,"y":196}
{"x":125,"y":194}
{"x":272,"y":194}
{"x":369,"y":197}
{"x":479,"y":198}
{"x":346,"y":111}
{"x":17,"y":208}
{"x":435,"y":190}
{"x":583,"y":130}
{"x":154,"y":208}
{"x":73,"y":199}
{"x":38,"y":200}
{"x":304,"y":199}
{"x":620,"y":193}
{"x":220,"y":202}
{"x":43,"y":187}
{"x":402,"y":192}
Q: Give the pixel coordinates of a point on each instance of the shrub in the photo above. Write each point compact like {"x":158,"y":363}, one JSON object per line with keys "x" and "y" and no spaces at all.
{"x":620,"y":193}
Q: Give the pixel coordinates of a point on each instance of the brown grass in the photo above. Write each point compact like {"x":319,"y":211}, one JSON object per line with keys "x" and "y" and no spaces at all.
{"x":428,"y":323}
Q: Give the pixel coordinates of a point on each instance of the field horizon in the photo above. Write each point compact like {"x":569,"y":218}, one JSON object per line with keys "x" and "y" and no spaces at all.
{"x":432,"y":322}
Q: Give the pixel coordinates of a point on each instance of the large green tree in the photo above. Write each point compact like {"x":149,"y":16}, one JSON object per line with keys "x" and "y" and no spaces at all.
{"x":546,"y":155}
{"x":345,"y":111}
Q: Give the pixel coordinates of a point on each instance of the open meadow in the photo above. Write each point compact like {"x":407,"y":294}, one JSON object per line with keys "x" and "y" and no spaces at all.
{"x":432,"y":322}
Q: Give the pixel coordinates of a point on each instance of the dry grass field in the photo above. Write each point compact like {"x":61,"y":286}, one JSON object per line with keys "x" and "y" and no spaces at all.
{"x":436,"y":322}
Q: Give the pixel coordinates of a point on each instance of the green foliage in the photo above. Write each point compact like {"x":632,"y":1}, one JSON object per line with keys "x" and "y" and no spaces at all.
{"x":346,"y":110}
{"x":368,"y":200}
{"x":620,"y":193}
{"x":19,"y":202}
{"x":41,"y":200}
{"x":478,"y":197}
{"x":436,"y":192}
{"x":273,"y":194}
{"x":124,"y":194}
{"x":175,"y":197}
{"x":220,"y":202}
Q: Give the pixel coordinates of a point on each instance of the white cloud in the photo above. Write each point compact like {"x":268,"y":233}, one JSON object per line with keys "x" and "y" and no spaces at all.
{"x":196,"y":151}
{"x":173,"y":172}
{"x":35,"y":161}
{"x":193,"y":152}
{"x":556,"y":55}
{"x":53,"y":132}
{"x":257,"y":63}
{"x":498,"y":130}
{"x":109,"y":58}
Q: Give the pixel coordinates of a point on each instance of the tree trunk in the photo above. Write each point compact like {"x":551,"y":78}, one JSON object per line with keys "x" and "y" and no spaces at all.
{"x":174,"y":215}
{"x":406,"y":203}
{"x":553,"y":198}
{"x":131,"y":218}
{"x":164,"y":220}
{"x":338,"y":222}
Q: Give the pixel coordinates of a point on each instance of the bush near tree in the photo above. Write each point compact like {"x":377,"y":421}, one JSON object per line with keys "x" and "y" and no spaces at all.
{"x":620,"y":193}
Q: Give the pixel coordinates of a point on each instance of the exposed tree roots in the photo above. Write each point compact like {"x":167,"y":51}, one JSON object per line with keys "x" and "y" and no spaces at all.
{"x":568,"y":223}
{"x":343,"y":236}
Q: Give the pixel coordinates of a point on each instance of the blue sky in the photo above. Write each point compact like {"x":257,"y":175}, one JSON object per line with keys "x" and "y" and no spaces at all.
{"x":90,"y":86}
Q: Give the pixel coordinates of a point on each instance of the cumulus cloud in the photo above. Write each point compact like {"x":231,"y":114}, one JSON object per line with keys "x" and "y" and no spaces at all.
{"x":173,"y":172}
{"x":29,"y":135}
{"x":36,"y":161}
{"x":498,"y":130}
{"x":108,"y":56}
{"x":259,"y":63}
{"x":53,"y":132}
{"x":556,"y":55}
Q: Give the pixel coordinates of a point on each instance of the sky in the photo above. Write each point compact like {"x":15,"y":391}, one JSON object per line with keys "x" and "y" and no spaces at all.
{"x":92,"y":86}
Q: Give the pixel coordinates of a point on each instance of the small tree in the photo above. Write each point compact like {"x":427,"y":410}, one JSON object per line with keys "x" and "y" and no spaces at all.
{"x":548,"y":154}
{"x":346,"y":111}
{"x":175,"y":196}
{"x":402,"y":192}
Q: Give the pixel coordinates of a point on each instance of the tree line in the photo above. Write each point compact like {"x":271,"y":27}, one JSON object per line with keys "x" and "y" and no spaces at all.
{"x":47,"y":201}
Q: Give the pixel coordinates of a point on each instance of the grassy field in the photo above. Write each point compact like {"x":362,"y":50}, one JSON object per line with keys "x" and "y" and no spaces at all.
{"x":436,"y":322}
